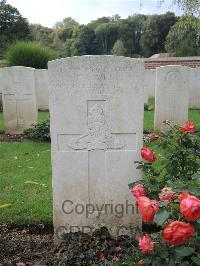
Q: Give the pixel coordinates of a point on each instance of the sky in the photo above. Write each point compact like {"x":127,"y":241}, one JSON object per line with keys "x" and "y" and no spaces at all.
{"x":48,"y":12}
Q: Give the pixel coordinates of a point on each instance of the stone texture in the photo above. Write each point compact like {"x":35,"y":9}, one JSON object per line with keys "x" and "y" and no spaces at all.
{"x":1,"y":87}
{"x":19,"y":100}
{"x":42,"y":90}
{"x":149,"y":84}
{"x":172,"y":95}
{"x":96,"y":110}
{"x":194,"y":101}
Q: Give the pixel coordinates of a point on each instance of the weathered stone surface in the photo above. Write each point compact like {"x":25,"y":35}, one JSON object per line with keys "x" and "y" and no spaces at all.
{"x":149,"y":84}
{"x":96,"y":110}
{"x":42,"y":90}
{"x":194,"y":101}
{"x":1,"y":89}
{"x":172,"y":95}
{"x":19,"y":100}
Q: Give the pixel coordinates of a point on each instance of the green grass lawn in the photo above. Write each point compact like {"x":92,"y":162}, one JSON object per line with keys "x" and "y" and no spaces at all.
{"x":25,"y":182}
{"x":25,"y":175}
{"x":194,"y":116}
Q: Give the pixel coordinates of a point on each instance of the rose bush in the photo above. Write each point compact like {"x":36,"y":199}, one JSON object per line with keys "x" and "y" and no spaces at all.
{"x":189,"y":127}
{"x":138,"y":191}
{"x":176,"y":163}
{"x":148,"y":155}
{"x":177,"y":233}
{"x":147,"y":208}
{"x":167,"y":194}
{"x":168,"y":197}
{"x":178,"y":242}
{"x":146,"y":245}
{"x":190,"y":207}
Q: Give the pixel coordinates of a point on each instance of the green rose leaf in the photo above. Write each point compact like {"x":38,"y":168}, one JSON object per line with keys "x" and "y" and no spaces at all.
{"x":196,"y":224}
{"x":196,"y":260}
{"x":184,"y":251}
{"x":161,"y":216}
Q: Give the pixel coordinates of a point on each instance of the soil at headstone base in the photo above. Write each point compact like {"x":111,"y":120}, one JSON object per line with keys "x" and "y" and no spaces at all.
{"x":11,"y":138}
{"x":33,"y":245}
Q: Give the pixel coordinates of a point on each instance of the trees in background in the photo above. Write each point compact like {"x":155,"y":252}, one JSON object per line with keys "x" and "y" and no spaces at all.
{"x":183,"y":38}
{"x":12,"y":25}
{"x":118,"y":48}
{"x":136,"y":36}
{"x":84,"y":43}
{"x":155,"y":30}
{"x":190,"y":7}
{"x":130,"y":32}
{"x":41,"y":34}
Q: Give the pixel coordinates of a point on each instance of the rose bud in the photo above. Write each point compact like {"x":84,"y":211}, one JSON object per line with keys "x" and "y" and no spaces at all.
{"x":138,"y":190}
{"x":148,"y":155}
{"x":154,"y":205}
{"x":178,"y":233}
{"x":153,"y":136}
{"x":189,"y":206}
{"x":189,"y":127}
{"x":145,"y":244}
{"x":183,"y":195}
{"x":167,"y":194}
{"x":101,"y":256}
{"x":141,"y":262}
{"x":147,"y":208}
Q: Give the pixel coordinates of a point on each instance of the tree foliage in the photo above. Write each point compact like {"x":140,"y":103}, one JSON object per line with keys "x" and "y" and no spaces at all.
{"x":12,"y":25}
{"x":136,"y":36}
{"x":118,"y":48}
{"x":183,"y":38}
{"x":85,"y":42}
{"x":155,"y":30}
{"x":190,"y":7}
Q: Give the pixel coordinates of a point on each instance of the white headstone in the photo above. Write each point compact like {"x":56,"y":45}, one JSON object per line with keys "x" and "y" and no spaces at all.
{"x":1,"y":87}
{"x":19,"y":100}
{"x":96,"y":110}
{"x":149,"y":84}
{"x":194,"y":101}
{"x":42,"y":90}
{"x":172,"y":95}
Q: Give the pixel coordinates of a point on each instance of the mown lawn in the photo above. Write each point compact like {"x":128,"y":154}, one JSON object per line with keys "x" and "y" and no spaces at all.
{"x":25,"y":182}
{"x":194,"y":116}
{"x":25,"y":175}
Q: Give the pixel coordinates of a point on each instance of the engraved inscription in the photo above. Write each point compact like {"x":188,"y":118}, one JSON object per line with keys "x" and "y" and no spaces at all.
{"x":98,"y":135}
{"x":171,"y":78}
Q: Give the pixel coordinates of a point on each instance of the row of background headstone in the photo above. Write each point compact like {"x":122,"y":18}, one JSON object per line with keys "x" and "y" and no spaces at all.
{"x":194,"y":86}
{"x":41,"y":87}
{"x":189,"y":82}
{"x":42,"y":94}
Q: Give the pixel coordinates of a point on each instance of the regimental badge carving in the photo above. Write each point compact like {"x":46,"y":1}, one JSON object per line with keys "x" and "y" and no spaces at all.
{"x":97,"y":135}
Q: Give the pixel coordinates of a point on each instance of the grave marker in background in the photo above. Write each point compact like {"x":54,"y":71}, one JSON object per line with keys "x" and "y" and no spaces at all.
{"x":19,"y":100}
{"x":42,"y":90}
{"x":194,"y":101}
{"x":149,"y":84}
{"x":172,"y":95}
{"x":1,"y":89}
